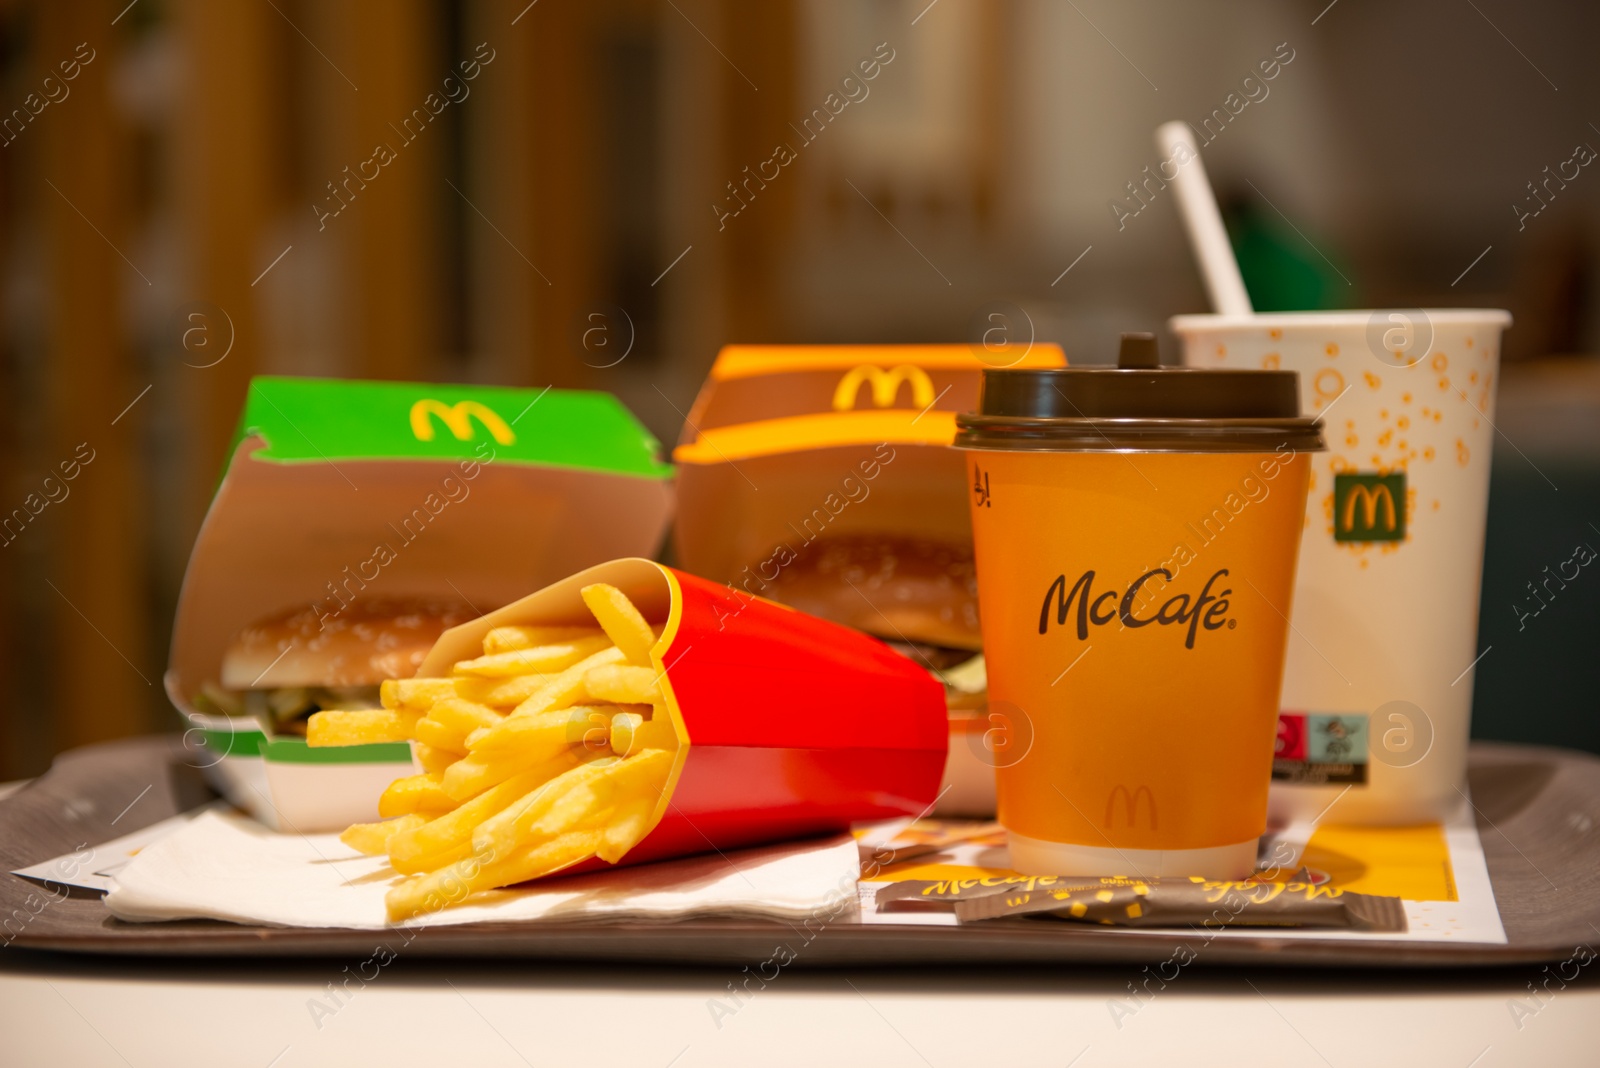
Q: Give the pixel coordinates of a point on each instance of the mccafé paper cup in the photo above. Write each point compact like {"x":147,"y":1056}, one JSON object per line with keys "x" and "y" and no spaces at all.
{"x":781,"y":725}
{"x":1135,"y":531}
{"x":1377,"y":691}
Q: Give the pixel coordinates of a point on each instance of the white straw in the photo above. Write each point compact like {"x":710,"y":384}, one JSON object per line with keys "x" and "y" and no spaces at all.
{"x":1198,"y":205}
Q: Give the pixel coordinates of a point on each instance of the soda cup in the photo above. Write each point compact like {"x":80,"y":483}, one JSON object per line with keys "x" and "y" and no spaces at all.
{"x":1377,"y":693}
{"x":1135,"y":531}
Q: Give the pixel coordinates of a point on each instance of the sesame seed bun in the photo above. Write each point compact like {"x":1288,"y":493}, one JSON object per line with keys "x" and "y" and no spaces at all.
{"x":368,"y":641}
{"x":901,"y":589}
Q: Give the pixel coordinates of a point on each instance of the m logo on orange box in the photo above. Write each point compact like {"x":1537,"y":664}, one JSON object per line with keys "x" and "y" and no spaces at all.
{"x":885,"y":386}
{"x":1369,"y":507}
{"x":1141,"y":800}
{"x":457,"y":418}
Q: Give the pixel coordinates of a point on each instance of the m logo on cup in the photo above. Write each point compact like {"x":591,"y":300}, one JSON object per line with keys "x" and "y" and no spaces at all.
{"x":1369,"y":507}
{"x":1209,"y":610}
{"x":1133,"y":803}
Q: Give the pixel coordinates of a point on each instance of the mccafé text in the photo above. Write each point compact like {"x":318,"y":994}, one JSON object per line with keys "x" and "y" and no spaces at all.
{"x":1208,"y":610}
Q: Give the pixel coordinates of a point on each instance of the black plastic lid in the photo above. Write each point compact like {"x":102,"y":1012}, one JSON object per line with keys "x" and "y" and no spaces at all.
{"x":1138,"y":405}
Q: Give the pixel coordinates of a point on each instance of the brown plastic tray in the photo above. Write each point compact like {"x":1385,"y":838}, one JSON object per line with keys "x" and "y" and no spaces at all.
{"x":1538,"y":814}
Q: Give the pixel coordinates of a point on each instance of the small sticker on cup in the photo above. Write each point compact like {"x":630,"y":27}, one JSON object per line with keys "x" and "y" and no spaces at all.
{"x":1317,"y":748}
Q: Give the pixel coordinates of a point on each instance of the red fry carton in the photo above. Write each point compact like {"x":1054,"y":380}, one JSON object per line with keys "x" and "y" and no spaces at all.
{"x":782,"y":725}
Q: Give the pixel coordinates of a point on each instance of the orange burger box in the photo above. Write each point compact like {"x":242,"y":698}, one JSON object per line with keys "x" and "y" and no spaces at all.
{"x":781,"y":725}
{"x":337,"y":494}
{"x":823,"y":476}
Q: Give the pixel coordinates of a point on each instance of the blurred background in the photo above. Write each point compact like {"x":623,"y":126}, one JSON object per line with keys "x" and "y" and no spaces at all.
{"x":196,"y":191}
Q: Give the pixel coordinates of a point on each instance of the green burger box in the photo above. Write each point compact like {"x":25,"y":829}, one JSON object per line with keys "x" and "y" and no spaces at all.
{"x":336,"y":490}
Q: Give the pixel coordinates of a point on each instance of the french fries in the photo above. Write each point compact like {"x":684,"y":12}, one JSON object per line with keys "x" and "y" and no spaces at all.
{"x":432,"y":759}
{"x":415,"y":695}
{"x":505,"y":639}
{"x":628,"y":825}
{"x":361,"y":726}
{"x":539,"y":754}
{"x":621,"y":621}
{"x":415,"y":793}
{"x":587,"y":725}
{"x":624,"y":732}
{"x":456,"y":827}
{"x":568,"y":687}
{"x":542,"y":658}
{"x":373,"y":838}
{"x":430,"y":731}
{"x":466,"y":716}
{"x":623,"y":683}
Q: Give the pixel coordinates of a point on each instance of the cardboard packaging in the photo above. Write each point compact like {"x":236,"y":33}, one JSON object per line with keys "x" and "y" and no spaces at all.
{"x":782,"y":725}
{"x":339,"y":489}
{"x":793,"y":448}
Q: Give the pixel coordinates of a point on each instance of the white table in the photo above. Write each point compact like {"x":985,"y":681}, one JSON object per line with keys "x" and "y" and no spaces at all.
{"x":65,"y":1011}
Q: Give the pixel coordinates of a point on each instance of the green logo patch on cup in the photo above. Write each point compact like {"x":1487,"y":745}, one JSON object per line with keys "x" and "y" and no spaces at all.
{"x":1369,"y":507}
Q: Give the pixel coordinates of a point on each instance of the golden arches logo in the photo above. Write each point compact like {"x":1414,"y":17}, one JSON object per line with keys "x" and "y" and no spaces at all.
{"x":885,"y":385}
{"x":1131,"y":806}
{"x":1370,"y":498}
{"x":457,"y":418}
{"x":1379,"y":499}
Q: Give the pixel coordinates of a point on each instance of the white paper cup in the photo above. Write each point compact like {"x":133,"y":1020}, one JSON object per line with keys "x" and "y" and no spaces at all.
{"x":1377,"y":691}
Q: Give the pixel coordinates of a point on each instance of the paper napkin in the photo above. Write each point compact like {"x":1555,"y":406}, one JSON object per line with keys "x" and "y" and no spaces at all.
{"x":225,"y":866}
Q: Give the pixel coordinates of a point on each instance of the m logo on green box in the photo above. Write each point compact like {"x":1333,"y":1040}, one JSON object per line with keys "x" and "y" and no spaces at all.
{"x":1369,"y":507}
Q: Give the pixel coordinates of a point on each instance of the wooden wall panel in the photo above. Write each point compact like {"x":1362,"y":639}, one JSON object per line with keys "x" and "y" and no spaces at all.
{"x":104,"y":682}
{"x":226,"y":162}
{"x":557,"y":81}
{"x":16,"y":731}
{"x":694,"y":305}
{"x":390,"y":50}
{"x":760,"y":39}
{"x":505,"y":292}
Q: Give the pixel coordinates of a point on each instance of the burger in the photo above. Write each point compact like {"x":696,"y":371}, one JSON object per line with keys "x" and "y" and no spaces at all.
{"x":920,"y":595}
{"x":286,"y":666}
